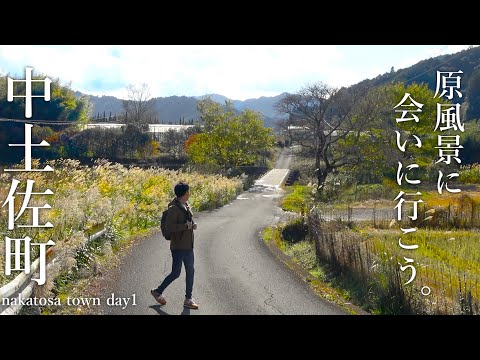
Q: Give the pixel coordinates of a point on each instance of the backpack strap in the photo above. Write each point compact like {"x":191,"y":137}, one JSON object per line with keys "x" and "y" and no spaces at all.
{"x":189,"y":214}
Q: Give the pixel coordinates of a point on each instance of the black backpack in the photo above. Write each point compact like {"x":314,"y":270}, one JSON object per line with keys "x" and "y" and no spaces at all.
{"x":163,"y":222}
{"x":163,"y":226}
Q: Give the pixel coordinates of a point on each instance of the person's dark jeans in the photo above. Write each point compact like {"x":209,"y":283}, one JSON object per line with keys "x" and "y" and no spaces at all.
{"x":179,"y":256}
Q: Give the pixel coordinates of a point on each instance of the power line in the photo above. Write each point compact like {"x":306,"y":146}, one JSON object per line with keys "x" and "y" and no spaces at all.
{"x":42,"y":122}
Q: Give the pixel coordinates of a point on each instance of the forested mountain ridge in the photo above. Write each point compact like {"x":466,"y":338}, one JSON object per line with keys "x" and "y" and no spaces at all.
{"x":171,"y":109}
{"x":425,"y":71}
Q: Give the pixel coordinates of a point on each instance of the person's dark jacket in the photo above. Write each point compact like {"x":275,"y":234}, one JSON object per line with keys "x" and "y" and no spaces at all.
{"x":176,"y":224}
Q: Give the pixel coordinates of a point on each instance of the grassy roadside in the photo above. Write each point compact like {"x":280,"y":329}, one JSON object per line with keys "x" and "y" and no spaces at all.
{"x":127,"y":201}
{"x":92,"y":273}
{"x":301,"y":252}
{"x":367,"y":273}
{"x":300,"y":257}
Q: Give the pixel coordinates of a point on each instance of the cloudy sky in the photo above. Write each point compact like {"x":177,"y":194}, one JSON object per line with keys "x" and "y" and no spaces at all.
{"x":238,"y":72}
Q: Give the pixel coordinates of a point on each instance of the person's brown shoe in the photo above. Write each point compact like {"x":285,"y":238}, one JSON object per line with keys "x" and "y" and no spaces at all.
{"x":160,"y":299}
{"x":190,"y":304}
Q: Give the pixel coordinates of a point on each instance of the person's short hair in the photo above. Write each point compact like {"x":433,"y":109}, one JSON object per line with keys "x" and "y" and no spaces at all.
{"x":181,"y":189}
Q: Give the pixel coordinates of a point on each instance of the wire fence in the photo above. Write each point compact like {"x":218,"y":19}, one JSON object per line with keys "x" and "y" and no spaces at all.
{"x":438,"y":289}
{"x":461,"y":214}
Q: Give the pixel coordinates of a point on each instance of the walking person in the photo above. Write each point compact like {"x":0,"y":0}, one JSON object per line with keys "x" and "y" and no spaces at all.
{"x":180,"y":224}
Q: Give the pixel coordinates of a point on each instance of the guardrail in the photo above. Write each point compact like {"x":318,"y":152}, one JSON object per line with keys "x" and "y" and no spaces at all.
{"x":22,"y":286}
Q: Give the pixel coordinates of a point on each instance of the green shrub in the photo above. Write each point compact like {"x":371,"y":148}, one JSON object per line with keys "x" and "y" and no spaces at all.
{"x":295,"y":231}
{"x":298,"y":200}
{"x":470,"y":174}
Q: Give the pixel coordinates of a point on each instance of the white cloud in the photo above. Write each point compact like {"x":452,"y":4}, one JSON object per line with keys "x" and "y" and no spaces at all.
{"x":235,"y":71}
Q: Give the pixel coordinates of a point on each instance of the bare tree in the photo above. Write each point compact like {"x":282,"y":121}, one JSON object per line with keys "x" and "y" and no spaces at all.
{"x":173,"y":142}
{"x":328,"y":123}
{"x":139,"y":105}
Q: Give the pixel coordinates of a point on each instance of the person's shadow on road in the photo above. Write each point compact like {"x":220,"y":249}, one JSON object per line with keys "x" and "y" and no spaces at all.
{"x":158,"y":309}
{"x":186,"y":311}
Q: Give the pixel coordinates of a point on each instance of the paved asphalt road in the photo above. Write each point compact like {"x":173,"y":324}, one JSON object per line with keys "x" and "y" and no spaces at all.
{"x":235,"y":273}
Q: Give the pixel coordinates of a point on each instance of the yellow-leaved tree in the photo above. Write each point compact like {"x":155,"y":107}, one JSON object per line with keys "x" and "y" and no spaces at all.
{"x":229,"y":139}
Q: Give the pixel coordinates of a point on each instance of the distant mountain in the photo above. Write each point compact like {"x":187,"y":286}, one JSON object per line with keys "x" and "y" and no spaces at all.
{"x":215,"y":97}
{"x":101,"y":104}
{"x":263,"y":104}
{"x":173,"y":108}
